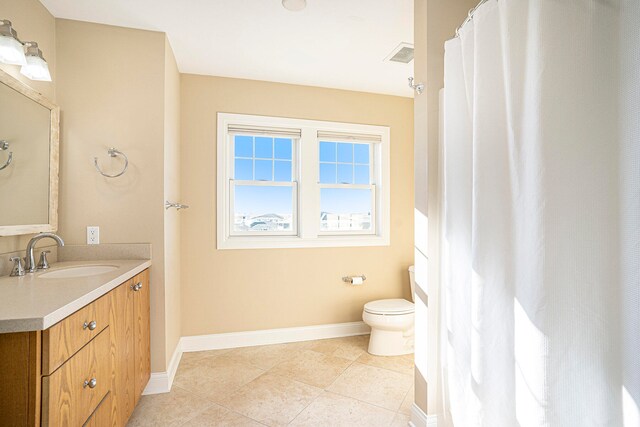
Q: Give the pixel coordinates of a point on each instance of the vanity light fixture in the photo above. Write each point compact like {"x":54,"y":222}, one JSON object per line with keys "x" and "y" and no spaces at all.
{"x":294,"y":5}
{"x":11,"y":49}
{"x":36,"y":67}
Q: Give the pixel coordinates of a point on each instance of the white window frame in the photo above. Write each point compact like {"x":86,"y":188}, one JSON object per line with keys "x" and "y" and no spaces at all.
{"x":306,"y":185}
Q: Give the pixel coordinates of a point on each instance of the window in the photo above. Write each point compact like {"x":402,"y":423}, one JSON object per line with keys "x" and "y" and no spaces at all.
{"x":263,"y":191}
{"x":301,"y":183}
{"x":347,"y":197}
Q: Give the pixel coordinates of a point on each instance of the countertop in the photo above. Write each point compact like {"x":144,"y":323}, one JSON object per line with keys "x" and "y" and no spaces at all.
{"x":31,"y":303}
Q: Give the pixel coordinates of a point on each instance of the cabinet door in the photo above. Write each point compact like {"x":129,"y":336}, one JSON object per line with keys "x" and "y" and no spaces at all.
{"x":122,"y":328}
{"x":142,"y":335}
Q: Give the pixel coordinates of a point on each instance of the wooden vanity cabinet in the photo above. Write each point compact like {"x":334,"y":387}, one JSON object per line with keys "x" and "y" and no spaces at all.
{"x":79,"y":373}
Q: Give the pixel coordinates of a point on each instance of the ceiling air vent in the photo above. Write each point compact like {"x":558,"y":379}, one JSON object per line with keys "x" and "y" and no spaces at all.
{"x":402,"y":53}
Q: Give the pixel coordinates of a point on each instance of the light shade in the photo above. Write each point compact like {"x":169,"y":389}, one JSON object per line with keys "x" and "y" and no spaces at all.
{"x":11,"y":51}
{"x":294,"y":5}
{"x":36,"y":68}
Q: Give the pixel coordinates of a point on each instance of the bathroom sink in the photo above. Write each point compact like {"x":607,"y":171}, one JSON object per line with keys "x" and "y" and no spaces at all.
{"x":79,"y":271}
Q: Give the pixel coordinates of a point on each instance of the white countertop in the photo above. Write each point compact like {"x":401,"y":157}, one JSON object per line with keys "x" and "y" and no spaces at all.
{"x":31,"y":303}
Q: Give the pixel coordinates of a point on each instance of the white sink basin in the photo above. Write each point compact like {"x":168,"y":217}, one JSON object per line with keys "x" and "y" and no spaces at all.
{"x":79,"y":271}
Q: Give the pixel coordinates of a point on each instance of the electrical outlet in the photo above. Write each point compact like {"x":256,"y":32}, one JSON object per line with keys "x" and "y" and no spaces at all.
{"x":93,"y":235}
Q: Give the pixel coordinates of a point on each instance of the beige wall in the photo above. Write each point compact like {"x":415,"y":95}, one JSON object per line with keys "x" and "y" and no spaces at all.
{"x":242,"y":290}
{"x":172,"y":260}
{"x":33,"y":22}
{"x":435,"y":21}
{"x":111,"y":83}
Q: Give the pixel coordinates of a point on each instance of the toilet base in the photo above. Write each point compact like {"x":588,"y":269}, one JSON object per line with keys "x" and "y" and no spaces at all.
{"x":390,"y":343}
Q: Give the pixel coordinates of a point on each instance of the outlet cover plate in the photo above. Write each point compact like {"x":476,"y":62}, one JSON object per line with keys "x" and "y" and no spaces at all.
{"x":93,"y":235}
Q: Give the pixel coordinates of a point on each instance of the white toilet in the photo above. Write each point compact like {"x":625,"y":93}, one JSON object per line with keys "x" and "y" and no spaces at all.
{"x":391,"y":322}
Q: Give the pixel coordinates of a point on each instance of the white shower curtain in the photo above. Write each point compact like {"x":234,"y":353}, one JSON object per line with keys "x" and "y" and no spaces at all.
{"x":541,"y":221}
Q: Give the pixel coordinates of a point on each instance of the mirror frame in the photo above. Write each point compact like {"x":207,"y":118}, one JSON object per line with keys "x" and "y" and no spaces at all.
{"x":54,"y":153}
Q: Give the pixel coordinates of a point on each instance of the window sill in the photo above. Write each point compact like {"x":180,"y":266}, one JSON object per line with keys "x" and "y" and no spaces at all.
{"x":287,"y":242}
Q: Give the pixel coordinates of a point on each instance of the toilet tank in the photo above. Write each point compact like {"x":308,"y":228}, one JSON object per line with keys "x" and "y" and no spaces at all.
{"x":412,"y":280}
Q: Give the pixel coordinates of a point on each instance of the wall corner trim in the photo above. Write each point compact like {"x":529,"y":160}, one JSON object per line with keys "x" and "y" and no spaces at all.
{"x":420,"y":419}
{"x":161,"y":382}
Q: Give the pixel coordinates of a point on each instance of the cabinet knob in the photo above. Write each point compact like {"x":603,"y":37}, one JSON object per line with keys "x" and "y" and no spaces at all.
{"x":137,"y":286}
{"x":91,"y":383}
{"x":90,"y":325}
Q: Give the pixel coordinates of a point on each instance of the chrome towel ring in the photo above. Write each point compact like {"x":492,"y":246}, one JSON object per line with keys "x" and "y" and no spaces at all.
{"x":4,"y":145}
{"x":112,"y":153}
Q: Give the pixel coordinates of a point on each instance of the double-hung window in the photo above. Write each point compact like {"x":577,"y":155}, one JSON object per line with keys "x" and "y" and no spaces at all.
{"x":347,"y":195}
{"x":263,"y":193}
{"x":301,"y":183}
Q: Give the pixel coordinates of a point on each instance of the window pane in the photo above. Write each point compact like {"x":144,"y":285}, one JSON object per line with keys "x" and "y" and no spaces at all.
{"x":328,"y":173}
{"x":243,"y":169}
{"x":282,"y":171}
{"x":362,"y":174}
{"x":345,"y":174}
{"x":264,"y":170}
{"x":263,"y":208}
{"x":283,"y":148}
{"x":345,"y":209}
{"x":327,"y":151}
{"x":243,"y":146}
{"x":264,"y":147}
{"x":345,"y":152}
{"x":361,"y":153}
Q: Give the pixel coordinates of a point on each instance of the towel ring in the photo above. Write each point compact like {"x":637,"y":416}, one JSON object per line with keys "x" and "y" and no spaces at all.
{"x":112,"y":153}
{"x":4,"y":145}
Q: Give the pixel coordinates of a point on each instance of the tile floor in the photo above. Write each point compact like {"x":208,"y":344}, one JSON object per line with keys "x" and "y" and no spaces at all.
{"x":331,"y":382}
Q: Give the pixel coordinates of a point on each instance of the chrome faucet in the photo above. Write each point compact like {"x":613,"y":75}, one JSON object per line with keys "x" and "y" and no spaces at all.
{"x":30,"y":266}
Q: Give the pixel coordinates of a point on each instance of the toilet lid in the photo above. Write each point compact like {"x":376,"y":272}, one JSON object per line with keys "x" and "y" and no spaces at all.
{"x":389,"y":306}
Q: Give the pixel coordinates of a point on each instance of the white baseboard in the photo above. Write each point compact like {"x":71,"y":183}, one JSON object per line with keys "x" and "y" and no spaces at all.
{"x":272,"y":336}
{"x":160,"y":382}
{"x":420,"y":419}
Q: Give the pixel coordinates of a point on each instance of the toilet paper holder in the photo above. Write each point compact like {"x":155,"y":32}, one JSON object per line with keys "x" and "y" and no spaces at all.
{"x":349,"y":279}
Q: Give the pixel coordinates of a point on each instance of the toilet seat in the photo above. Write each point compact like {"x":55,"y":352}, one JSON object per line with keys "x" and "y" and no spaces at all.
{"x":390,"y":307}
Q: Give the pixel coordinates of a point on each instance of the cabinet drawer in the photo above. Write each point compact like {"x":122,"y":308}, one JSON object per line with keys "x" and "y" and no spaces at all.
{"x":65,"y":338}
{"x":102,"y":416}
{"x":68,"y":395}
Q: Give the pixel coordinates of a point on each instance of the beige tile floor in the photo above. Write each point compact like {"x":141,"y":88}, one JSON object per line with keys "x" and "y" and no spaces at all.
{"x":331,"y":382}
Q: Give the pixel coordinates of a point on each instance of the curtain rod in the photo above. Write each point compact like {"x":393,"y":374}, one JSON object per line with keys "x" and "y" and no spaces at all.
{"x":469,"y":16}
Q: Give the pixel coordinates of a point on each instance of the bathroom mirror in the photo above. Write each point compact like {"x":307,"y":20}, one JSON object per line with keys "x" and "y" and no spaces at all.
{"x":29,"y":132}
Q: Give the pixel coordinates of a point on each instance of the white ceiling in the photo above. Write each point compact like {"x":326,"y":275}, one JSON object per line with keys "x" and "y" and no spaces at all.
{"x":332,"y":43}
